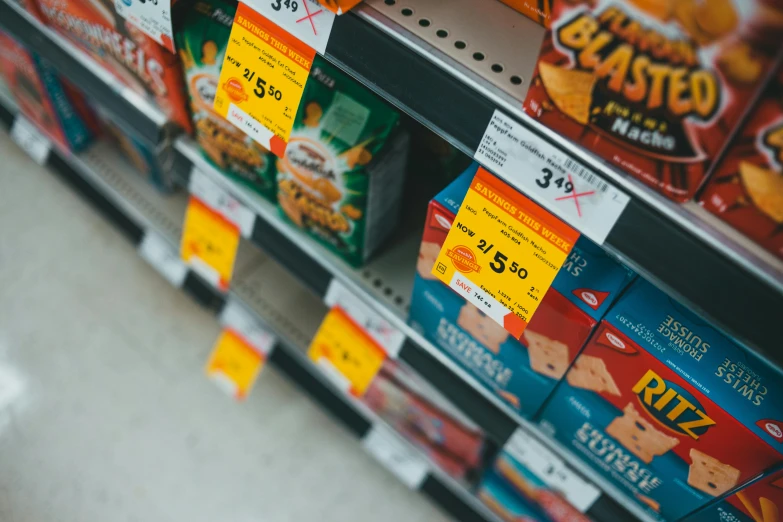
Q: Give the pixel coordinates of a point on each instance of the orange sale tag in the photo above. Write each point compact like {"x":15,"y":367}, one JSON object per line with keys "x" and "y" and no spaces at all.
{"x":209,"y":243}
{"x":234,"y":364}
{"x":503,"y":252}
{"x":262,"y":79}
{"x":347,"y":355}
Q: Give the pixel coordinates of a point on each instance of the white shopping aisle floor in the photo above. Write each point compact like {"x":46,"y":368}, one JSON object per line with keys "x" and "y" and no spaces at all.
{"x":105,"y":415}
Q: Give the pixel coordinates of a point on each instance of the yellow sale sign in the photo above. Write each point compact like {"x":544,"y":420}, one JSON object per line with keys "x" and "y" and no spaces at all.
{"x":209,"y":243}
{"x":346,"y":353}
{"x":503,"y":252}
{"x":262,"y":79}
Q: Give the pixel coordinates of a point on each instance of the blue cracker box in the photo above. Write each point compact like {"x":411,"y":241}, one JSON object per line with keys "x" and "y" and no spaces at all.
{"x":666,"y":407}
{"x":504,"y":502}
{"x":759,"y":501}
{"x":522,"y":373}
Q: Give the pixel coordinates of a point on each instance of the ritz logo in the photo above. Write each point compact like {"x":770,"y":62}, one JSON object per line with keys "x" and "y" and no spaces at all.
{"x":672,"y":405}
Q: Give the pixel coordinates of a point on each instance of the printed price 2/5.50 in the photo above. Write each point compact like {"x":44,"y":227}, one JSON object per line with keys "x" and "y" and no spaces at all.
{"x":498,"y":263}
{"x":260,"y":84}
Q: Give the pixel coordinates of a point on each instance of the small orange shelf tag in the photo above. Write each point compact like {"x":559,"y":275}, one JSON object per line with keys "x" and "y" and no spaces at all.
{"x":234,"y":364}
{"x":346,"y":353}
{"x":209,"y":243}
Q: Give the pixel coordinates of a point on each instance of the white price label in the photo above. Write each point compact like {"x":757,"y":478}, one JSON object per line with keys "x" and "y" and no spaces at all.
{"x":152,"y":17}
{"x":551,"y":177}
{"x":162,"y":256}
{"x":220,"y":201}
{"x":382,"y":332}
{"x":552,"y":470}
{"x":236,"y":317}
{"x":30,"y":139}
{"x":304,"y":19}
{"x":397,"y":456}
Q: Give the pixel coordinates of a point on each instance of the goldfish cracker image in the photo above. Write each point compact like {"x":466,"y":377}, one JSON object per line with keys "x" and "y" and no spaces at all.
{"x":341,"y":177}
{"x":201,"y":41}
{"x":134,"y":58}
{"x":654,"y":87}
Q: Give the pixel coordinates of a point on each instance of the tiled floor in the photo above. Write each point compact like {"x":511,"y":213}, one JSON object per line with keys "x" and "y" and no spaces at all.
{"x":105,"y":415}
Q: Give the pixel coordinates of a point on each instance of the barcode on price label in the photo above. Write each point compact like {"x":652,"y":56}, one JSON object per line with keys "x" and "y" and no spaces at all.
{"x":552,"y":470}
{"x":586,"y":175}
{"x":551,"y":177}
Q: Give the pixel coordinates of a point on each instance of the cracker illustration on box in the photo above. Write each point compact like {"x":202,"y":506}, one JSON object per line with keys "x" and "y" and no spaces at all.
{"x":765,"y":188}
{"x":639,"y":435}
{"x":571,"y":91}
{"x":428,"y":253}
{"x":710,"y":475}
{"x":547,"y":356}
{"x":746,"y":188}
{"x":483,"y":328}
{"x":590,"y":373}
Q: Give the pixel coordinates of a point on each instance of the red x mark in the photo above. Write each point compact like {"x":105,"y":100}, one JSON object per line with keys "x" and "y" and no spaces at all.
{"x":309,"y":17}
{"x":576,"y":195}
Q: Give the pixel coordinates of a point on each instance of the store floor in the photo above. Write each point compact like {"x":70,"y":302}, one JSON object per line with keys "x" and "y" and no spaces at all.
{"x":105,"y":413}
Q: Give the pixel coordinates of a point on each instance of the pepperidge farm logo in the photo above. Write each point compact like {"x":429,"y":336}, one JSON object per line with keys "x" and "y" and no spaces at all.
{"x":672,"y":405}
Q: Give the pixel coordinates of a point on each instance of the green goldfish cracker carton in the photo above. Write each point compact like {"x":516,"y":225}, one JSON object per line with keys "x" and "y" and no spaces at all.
{"x":342,"y":174}
{"x":202,"y":39}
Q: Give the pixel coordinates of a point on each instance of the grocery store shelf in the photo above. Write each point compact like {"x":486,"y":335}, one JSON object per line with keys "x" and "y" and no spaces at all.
{"x":129,"y":109}
{"x":261,"y":288}
{"x":681,"y":249}
{"x":454,"y":89}
{"x":384,"y":285}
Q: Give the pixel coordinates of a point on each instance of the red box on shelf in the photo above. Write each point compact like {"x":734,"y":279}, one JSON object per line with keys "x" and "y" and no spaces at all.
{"x":654,"y":87}
{"x":133,"y":57}
{"x":746,"y":188}
{"x":48,"y":101}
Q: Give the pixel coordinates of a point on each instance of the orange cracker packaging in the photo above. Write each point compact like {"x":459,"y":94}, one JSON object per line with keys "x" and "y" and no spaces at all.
{"x":132,"y":56}
{"x":539,"y":11}
{"x":655,"y":87}
{"x":746,"y":188}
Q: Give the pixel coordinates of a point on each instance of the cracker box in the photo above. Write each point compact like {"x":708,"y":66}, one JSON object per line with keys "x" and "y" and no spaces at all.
{"x":525,"y":483}
{"x":419,"y":412}
{"x":540,"y":11}
{"x":134,"y":58}
{"x":141,"y":156}
{"x":504,"y":502}
{"x":48,"y":101}
{"x":202,"y":40}
{"x":760,"y":501}
{"x":655,"y":87}
{"x":342,"y":174}
{"x":666,"y":407}
{"x":746,"y":188}
{"x":522,"y":373}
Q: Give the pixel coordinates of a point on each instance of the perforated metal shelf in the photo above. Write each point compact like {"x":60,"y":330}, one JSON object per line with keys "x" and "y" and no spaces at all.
{"x":482,"y":59}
